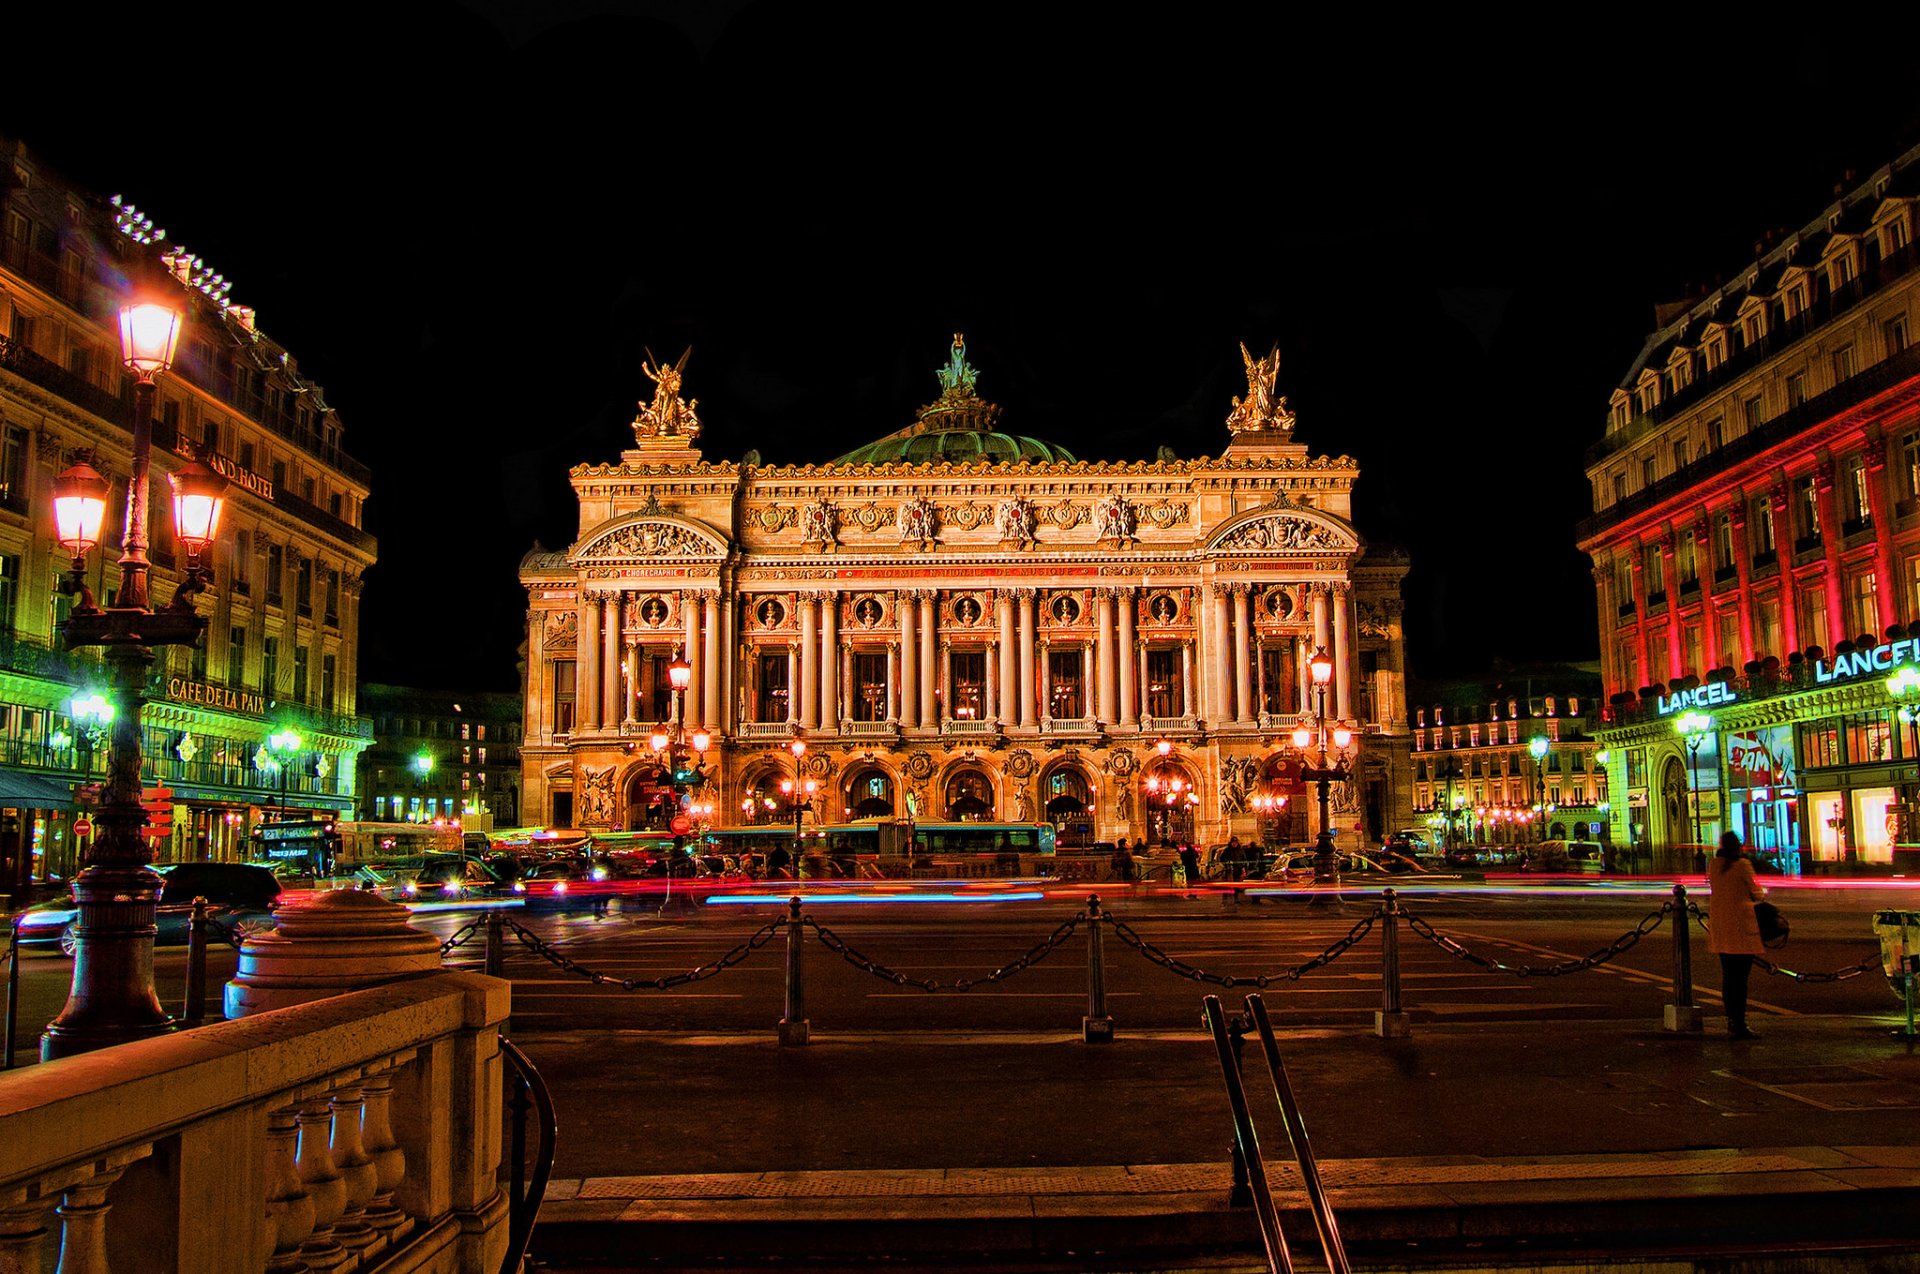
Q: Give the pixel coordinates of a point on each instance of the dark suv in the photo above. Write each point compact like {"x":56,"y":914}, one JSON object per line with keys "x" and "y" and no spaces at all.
{"x":240,"y":897}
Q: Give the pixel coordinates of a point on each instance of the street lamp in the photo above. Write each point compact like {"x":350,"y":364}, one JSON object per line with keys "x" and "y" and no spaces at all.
{"x":675,"y":750}
{"x":1538,"y":746}
{"x":423,"y":774}
{"x":113,"y":999}
{"x":1267,"y":806}
{"x":1335,"y":763}
{"x":1694,"y":726}
{"x":799,"y":793}
{"x":1904,"y":687}
{"x":284,"y":747}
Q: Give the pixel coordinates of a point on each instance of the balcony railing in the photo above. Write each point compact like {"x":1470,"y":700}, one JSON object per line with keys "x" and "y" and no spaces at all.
{"x":208,"y":1138}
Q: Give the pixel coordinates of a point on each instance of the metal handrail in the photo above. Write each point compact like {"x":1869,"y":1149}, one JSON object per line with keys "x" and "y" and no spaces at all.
{"x":1247,"y":1142}
{"x":524,"y":1197}
{"x":1331,"y":1249}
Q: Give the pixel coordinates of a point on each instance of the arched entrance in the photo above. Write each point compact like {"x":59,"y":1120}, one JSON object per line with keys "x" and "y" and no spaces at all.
{"x":1283,"y":824}
{"x":1067,"y":800}
{"x":1673,"y":805}
{"x":968,"y":797}
{"x":648,"y":803}
{"x":1171,"y":799}
{"x":869,"y":793}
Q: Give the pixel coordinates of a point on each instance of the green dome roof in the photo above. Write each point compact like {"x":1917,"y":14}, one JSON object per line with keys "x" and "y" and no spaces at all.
{"x":957,"y":429}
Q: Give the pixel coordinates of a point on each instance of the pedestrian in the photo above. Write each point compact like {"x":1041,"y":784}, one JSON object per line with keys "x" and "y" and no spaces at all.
{"x":1733,"y":931}
{"x":1236,"y":859}
{"x":1190,"y":863}
{"x":1122,"y":862}
{"x":777,"y":860}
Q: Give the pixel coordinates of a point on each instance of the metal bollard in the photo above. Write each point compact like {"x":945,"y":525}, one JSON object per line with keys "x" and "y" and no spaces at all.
{"x":1683,"y":1014}
{"x":794,"y":1026}
{"x":1390,"y":1022}
{"x":1096,"y":1027}
{"x":195,"y":1008}
{"x":13,"y":990}
{"x":496,"y":945}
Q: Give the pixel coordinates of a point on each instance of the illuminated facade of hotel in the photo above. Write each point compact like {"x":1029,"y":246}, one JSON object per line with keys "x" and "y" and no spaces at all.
{"x":284,"y":607}
{"x":1756,"y":548}
{"x":974,"y":620}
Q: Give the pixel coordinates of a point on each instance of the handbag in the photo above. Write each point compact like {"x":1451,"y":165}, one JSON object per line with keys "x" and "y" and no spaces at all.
{"x":1773,"y":926}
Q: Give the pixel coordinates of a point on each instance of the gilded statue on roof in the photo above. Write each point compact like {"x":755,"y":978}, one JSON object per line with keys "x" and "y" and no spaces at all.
{"x":668,"y":415}
{"x":1262,"y":408}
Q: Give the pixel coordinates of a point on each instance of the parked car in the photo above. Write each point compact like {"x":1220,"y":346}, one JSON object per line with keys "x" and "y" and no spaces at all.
{"x":240,"y":896}
{"x":1564,"y":856}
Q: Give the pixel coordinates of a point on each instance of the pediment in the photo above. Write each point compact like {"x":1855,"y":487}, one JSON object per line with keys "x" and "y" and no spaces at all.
{"x":1291,"y":530}
{"x":649,"y":536}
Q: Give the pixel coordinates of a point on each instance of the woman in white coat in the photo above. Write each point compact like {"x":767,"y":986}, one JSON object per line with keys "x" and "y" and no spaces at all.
{"x":1733,"y":931}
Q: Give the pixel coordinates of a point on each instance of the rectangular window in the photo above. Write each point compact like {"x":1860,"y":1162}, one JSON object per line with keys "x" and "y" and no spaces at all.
{"x":563,"y":689}
{"x":1893,"y":333}
{"x":1679,"y":454}
{"x":1728,"y":628}
{"x":1762,"y":523}
{"x":869,"y":687}
{"x":303,"y":585}
{"x":1065,"y":685}
{"x":1619,"y":486}
{"x":13,"y":469}
{"x":9,"y":591}
{"x":1843,"y":368}
{"x":270,"y":665}
{"x":1163,"y":681}
{"x":1766,"y":629}
{"x":771,"y":702}
{"x":1819,"y":745}
{"x":1647,"y":472}
{"x":236,"y":656}
{"x":1750,"y":409}
{"x":329,"y":671}
{"x":300,"y":658}
{"x":1863,"y":603}
{"x":1807,"y":495}
{"x":1910,"y":461}
{"x":333,"y":597}
{"x":276,"y":566}
{"x":1811,"y":606}
{"x":1656,"y":575}
{"x":1861,"y":510}
{"x":1278,"y":694}
{"x":1796,"y":389}
{"x":1689,"y":561}
{"x":1723,"y":543}
{"x":1869,"y":738}
{"x":969,"y":671}
{"x":1716,"y":428}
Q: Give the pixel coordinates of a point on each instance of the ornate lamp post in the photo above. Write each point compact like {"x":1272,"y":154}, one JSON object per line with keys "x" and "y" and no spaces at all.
{"x":1538,"y":746}
{"x":1694,"y":727}
{"x":1335,"y":763}
{"x":799,"y":793}
{"x":284,"y":747}
{"x":675,"y":750}
{"x":113,"y":999}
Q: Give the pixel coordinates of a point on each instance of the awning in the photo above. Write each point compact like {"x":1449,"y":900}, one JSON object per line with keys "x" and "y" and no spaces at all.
{"x":21,"y":790}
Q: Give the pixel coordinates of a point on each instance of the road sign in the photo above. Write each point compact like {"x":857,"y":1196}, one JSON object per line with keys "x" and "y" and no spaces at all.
{"x":82,"y":825}
{"x":159,"y":806}
{"x":681,"y":825}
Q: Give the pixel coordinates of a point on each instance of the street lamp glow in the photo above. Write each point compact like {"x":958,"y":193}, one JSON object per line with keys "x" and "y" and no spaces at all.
{"x":79,"y":507}
{"x":284,"y":742}
{"x":1694,"y":723}
{"x":92,"y":710}
{"x":1538,"y":746}
{"x":1302,"y":737}
{"x":680,"y":672}
{"x":424,"y":764}
{"x":1321,"y":665}
{"x":149,"y":333}
{"x":199,"y":494}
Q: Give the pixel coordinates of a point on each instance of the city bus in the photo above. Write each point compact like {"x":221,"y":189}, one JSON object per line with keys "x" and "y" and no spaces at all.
{"x":304,"y":848}
{"x":364,"y":842}
{"x":896,"y":847}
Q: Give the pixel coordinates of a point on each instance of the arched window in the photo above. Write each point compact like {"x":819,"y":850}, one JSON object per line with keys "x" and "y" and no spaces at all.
{"x":870,"y":794}
{"x":969,"y":797}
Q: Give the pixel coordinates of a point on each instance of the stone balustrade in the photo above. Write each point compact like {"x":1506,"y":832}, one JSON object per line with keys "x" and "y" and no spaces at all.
{"x":356,"y":1133}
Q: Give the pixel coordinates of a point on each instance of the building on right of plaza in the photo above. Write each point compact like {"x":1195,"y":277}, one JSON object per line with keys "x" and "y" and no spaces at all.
{"x":1756,"y":551}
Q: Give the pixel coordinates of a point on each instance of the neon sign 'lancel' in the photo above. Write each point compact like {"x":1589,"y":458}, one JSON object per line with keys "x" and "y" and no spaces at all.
{"x":1710,"y":695}
{"x":1881,"y":658}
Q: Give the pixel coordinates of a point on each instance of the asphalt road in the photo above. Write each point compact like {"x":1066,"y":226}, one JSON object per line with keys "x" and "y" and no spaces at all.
{"x":948,"y":943}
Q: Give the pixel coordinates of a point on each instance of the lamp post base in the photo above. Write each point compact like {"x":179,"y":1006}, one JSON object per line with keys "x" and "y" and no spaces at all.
{"x":113,"y":1000}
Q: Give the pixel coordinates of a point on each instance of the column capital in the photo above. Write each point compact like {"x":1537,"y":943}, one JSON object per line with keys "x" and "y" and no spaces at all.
{"x":1340,"y":586}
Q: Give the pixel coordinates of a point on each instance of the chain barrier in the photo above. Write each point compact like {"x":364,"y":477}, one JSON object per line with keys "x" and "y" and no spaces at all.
{"x":833,"y":942}
{"x":1651,"y":921}
{"x":1175,"y":965}
{"x":1867,"y":965}
{"x":459,"y":938}
{"x":546,"y":951}
{"x":226,"y":931}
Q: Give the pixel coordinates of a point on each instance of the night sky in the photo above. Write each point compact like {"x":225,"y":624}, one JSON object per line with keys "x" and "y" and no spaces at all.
{"x":470,"y":223}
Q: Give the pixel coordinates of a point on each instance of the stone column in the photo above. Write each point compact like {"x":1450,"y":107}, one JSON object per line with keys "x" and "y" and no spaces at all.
{"x":946,"y":679}
{"x":930,"y":714}
{"x":629,"y":679}
{"x":1027,"y":705}
{"x":1343,"y":661}
{"x":1045,"y":675}
{"x":1322,"y":628}
{"x":793,"y":685}
{"x":696,"y":660}
{"x":992,"y":689}
{"x":1242,"y":652}
{"x":1783,"y":557}
{"x":1219,"y":703}
{"x":1886,"y":585}
{"x":909,"y":605}
{"x":1670,"y":580}
{"x":711,"y":672}
{"x":611,"y":688}
{"x":1129,"y":667}
{"x":846,"y":681}
{"x":1109,"y":697}
{"x":894,"y":695}
{"x":1709,"y":620}
{"x":830,"y":663}
{"x":586,"y":680}
{"x":1186,"y":679}
{"x":1640,"y":614}
{"x":1006,"y":658}
{"x":1302,"y":674}
{"x":809,"y":661}
{"x":1830,"y":535}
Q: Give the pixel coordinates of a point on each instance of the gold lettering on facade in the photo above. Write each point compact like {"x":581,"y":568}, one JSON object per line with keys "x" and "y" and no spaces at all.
{"x":180,"y":690}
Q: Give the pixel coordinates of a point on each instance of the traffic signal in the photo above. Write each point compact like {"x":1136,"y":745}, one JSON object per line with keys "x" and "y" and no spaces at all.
{"x":681,"y":765}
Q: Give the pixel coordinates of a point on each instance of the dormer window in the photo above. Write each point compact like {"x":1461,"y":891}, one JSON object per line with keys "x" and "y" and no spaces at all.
{"x":1843,"y":264}
{"x":1893,"y":222}
{"x":1620,"y":408}
{"x":1713,"y":346}
{"x":1647,"y":392}
{"x":1794,"y":292}
{"x":1679,"y":371}
{"x":1753,"y":321}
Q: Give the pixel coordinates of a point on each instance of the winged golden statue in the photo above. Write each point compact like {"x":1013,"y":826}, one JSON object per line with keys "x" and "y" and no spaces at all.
{"x":667,"y":416}
{"x":1262,"y":408}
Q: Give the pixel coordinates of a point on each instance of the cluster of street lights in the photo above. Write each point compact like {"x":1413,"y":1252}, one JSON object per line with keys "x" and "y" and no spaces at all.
{"x":113,"y":999}
{"x":1333,"y":746}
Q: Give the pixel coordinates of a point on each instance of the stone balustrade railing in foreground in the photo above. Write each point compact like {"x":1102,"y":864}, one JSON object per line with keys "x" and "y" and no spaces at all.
{"x":354,"y":1134}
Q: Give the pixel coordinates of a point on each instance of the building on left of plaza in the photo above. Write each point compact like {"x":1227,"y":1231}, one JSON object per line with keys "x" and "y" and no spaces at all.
{"x":278,"y":660}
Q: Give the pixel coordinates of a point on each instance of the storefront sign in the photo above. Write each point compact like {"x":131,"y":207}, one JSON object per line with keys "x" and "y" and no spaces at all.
{"x":1713,"y":694}
{"x":180,"y":690}
{"x":1637,"y":798}
{"x":1881,"y":658}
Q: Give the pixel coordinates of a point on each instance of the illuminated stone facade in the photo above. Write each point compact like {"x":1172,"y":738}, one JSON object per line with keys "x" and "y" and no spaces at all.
{"x":971,"y":618}
{"x":284,"y":607}
{"x":1757,"y":518}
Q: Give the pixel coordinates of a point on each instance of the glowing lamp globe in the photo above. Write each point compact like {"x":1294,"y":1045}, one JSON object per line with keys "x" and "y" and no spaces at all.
{"x":1164,"y":747}
{"x":1321,"y":665}
{"x":1302,"y":737}
{"x":701,"y":739}
{"x":798,"y":747}
{"x":199,"y":494}
{"x":79,"y":506}
{"x":1538,"y":746}
{"x":1342,"y":736}
{"x":149,"y":333}
{"x":680,"y":672}
{"x":658,"y":740}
